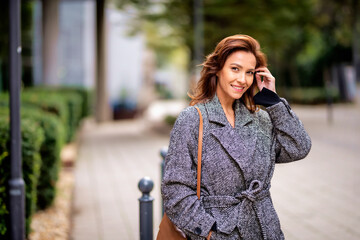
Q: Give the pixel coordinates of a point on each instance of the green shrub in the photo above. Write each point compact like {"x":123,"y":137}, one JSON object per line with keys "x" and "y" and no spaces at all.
{"x":32,"y":138}
{"x":170,"y":119}
{"x":50,"y":151}
{"x":53,"y":103}
{"x":313,"y":95}
{"x":73,"y":99}
{"x":50,"y":154}
{"x":48,"y":118}
{"x":85,"y":94}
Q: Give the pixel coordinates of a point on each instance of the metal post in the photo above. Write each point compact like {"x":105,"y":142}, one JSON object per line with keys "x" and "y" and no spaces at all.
{"x":163,"y":153}
{"x":16,"y":182}
{"x":146,"y":209}
{"x":329,"y":102}
{"x":198,"y":31}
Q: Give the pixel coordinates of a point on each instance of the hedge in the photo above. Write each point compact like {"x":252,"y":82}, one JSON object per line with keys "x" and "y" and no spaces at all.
{"x":67,"y":105}
{"x":85,"y":94}
{"x":48,"y":118}
{"x":72,"y":99}
{"x":50,"y":151}
{"x":53,"y":103}
{"x":32,"y":138}
{"x":54,"y":134}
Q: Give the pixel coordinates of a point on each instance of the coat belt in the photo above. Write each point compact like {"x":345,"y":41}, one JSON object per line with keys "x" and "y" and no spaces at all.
{"x":242,"y":211}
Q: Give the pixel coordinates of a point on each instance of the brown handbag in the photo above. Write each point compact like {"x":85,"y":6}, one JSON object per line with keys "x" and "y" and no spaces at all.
{"x":167,"y":230}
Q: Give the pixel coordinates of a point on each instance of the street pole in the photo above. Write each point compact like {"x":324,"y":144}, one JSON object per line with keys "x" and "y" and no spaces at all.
{"x":16,"y":182}
{"x":198,"y":35}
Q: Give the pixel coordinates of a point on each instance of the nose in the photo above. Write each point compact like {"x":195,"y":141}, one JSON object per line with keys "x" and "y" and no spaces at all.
{"x":241,"y":78}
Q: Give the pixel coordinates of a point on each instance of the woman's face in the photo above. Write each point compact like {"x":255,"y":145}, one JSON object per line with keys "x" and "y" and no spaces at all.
{"x":236,"y":76}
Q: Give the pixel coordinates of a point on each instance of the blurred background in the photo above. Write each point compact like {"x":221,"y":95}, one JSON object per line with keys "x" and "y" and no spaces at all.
{"x":152,"y":47}
{"x":118,"y":72}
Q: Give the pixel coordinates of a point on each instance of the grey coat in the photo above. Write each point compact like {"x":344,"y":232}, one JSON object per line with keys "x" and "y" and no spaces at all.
{"x":237,"y":167}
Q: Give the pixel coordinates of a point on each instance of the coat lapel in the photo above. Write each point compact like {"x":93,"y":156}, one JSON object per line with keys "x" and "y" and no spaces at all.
{"x":239,"y":142}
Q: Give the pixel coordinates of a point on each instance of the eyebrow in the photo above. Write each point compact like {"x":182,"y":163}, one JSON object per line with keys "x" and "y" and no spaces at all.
{"x":238,"y":65}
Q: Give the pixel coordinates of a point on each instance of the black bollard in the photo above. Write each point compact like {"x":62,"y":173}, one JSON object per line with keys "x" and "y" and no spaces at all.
{"x":329,"y":101}
{"x":163,"y":153}
{"x":146,"y":209}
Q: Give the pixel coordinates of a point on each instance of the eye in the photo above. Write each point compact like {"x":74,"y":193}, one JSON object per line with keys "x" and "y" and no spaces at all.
{"x":235,"y":69}
{"x":250,"y":73}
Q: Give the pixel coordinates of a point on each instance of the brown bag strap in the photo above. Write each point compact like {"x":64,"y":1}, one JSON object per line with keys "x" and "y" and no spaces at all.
{"x":199,"y":153}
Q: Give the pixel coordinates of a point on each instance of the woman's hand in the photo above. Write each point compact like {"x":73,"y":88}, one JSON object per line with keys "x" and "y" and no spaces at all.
{"x":268,"y":79}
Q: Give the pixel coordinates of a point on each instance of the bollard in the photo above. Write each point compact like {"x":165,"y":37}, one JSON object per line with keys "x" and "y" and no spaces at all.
{"x":146,"y":209}
{"x":163,"y":153}
{"x":329,"y":101}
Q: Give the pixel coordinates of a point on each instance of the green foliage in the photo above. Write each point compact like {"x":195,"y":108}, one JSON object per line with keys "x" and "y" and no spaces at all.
{"x":296,"y":35}
{"x":311,"y":95}
{"x":32,"y":139}
{"x":4,"y":176}
{"x":26,"y":25}
{"x":170,"y":120}
{"x":78,"y":101}
{"x":73,"y":105}
{"x":45,"y":114}
{"x":50,"y":153}
{"x":54,"y":138}
{"x":70,"y":104}
{"x":53,"y":103}
{"x":85,"y":94}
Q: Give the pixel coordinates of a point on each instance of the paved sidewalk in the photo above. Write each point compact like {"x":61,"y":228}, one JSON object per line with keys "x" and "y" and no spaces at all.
{"x":316,"y":198}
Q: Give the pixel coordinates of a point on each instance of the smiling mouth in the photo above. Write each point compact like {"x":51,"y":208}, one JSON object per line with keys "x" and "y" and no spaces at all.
{"x":238,"y":88}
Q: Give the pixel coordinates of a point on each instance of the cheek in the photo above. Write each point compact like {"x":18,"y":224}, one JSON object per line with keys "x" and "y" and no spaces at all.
{"x":250,"y":80}
{"x":225,"y":77}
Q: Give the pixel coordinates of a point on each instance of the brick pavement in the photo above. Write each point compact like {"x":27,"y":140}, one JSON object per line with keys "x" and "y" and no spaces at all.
{"x":316,"y":198}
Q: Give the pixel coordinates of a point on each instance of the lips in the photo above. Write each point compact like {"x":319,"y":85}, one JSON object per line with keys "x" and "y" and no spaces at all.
{"x":238,"y":88}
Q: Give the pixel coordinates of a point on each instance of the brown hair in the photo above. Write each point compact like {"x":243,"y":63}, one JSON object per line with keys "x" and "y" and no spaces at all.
{"x":206,"y":87}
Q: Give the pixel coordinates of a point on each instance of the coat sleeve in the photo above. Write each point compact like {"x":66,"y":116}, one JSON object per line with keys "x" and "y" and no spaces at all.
{"x":178,"y":188}
{"x":291,"y":139}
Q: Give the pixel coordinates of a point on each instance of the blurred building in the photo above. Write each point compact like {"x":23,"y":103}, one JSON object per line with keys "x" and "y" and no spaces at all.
{"x":125,"y":64}
{"x":64,"y":53}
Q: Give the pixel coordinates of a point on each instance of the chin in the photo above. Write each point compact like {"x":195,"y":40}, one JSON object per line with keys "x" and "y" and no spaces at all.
{"x":238,"y":96}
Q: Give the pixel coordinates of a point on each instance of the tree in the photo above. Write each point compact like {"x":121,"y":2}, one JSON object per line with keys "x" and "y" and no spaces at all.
{"x":26,"y":42}
{"x":296,"y":35}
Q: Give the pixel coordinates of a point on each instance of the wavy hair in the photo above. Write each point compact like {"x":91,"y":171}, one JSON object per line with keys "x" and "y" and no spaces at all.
{"x":206,"y":87}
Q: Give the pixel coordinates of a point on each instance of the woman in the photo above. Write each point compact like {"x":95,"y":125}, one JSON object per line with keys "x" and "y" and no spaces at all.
{"x":241,"y":144}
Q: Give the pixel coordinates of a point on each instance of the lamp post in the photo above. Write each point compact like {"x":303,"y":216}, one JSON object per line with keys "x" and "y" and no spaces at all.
{"x":198,"y":34}
{"x":16,"y":182}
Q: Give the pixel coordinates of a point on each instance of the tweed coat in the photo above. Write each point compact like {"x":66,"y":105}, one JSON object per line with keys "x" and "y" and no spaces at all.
{"x":237,"y":167}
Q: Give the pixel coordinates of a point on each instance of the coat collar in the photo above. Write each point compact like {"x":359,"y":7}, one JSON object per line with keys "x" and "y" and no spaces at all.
{"x":239,"y":142}
{"x":216,"y":113}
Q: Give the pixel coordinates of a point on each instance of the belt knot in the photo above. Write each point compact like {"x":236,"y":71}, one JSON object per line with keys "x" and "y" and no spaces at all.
{"x":252,"y":192}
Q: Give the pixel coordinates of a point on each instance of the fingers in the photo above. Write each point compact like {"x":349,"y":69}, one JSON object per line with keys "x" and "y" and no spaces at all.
{"x":262,"y":69}
{"x":264,"y":78}
{"x":267,"y":75}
